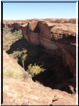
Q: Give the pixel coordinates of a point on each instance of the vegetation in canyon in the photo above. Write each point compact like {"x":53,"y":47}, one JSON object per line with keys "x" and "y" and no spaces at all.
{"x":42,"y":66}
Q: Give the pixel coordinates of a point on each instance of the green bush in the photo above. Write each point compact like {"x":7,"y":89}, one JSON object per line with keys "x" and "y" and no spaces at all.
{"x":35,"y":69}
{"x":18,"y":35}
{"x":17,"y":54}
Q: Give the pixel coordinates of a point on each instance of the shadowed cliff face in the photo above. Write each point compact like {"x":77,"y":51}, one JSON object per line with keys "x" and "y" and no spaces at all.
{"x":25,"y":91}
{"x":38,"y":32}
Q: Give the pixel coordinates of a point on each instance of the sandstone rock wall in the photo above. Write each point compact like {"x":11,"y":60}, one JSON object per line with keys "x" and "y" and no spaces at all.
{"x":69,"y":56}
{"x":18,"y":92}
{"x":38,"y":32}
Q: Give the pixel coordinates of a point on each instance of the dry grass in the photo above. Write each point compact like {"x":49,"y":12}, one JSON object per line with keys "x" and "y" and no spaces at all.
{"x":16,"y":74}
{"x":11,"y":72}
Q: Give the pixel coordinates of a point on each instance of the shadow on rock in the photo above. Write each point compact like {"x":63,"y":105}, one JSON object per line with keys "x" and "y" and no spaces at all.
{"x":13,"y":30}
{"x":56,"y":76}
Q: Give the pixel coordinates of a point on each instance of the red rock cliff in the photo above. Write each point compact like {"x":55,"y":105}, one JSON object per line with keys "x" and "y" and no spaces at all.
{"x":52,"y":38}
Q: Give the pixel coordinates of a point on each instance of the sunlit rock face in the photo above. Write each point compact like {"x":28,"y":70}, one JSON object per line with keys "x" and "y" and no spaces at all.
{"x":53,"y":34}
{"x":37,"y":32}
{"x":33,"y":94}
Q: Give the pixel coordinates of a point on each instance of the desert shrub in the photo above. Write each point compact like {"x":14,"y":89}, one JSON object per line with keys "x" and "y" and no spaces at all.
{"x":11,"y":55}
{"x":17,"y":54}
{"x":35,"y":69}
{"x":18,"y":35}
{"x":6,"y":31}
{"x":14,"y":38}
{"x":14,"y":73}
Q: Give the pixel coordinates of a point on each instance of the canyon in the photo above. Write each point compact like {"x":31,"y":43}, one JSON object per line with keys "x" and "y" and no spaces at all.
{"x":57,"y":38}
{"x":52,"y":37}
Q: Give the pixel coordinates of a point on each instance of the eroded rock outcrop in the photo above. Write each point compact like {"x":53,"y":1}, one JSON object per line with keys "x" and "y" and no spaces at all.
{"x":59,"y":42}
{"x":27,"y":92}
{"x":32,"y":93}
{"x":52,"y":38}
{"x":11,"y":69}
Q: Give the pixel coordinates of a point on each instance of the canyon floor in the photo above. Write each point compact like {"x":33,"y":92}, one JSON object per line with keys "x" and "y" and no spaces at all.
{"x":54,"y":83}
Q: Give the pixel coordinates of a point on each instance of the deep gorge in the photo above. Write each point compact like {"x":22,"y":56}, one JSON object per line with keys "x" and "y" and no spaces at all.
{"x":48,"y":52}
{"x":55,"y":72}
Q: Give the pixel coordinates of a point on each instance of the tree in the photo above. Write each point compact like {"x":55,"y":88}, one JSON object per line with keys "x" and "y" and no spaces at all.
{"x":23,"y":58}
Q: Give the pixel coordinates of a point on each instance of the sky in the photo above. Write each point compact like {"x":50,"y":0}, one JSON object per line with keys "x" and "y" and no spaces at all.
{"x":22,"y":11}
